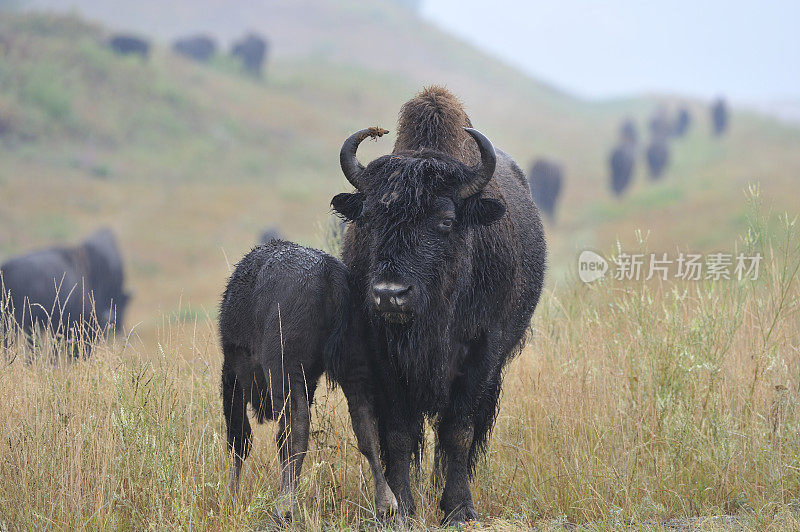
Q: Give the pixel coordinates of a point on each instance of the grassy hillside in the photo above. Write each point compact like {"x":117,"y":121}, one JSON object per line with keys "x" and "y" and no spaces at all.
{"x":188,"y":162}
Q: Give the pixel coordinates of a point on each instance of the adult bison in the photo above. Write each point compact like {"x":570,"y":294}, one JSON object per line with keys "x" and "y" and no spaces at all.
{"x":621,"y":163}
{"x":628,"y":133}
{"x":130,"y":45}
{"x":657,"y":157}
{"x":546,"y":180}
{"x":682,"y":122}
{"x":447,"y":253}
{"x":251,"y":51}
{"x":75,"y":293}
{"x":197,"y":47}
{"x":660,"y":125}
{"x":719,"y":117}
{"x":269,"y":234}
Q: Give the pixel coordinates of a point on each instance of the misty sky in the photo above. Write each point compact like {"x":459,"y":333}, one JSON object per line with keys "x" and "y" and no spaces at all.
{"x":748,"y":50}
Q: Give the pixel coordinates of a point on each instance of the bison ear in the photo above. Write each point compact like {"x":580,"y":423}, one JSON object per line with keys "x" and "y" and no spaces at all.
{"x":348,"y":205}
{"x":483,"y":211}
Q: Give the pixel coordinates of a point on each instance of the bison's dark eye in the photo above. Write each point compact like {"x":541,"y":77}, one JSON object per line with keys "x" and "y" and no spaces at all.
{"x":446,"y":225}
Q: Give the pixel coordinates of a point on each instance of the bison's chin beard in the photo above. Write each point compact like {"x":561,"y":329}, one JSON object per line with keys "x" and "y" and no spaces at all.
{"x":397,"y":318}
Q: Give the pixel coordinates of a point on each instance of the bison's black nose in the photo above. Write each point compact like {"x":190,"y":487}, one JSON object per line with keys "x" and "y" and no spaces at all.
{"x":391,"y":297}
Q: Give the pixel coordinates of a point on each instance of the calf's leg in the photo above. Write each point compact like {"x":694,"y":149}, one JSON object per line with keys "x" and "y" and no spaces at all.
{"x":293,"y":431}
{"x":238,"y":426}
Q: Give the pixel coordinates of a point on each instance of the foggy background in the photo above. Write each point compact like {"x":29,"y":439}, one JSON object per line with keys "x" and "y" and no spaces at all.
{"x":751,"y":50}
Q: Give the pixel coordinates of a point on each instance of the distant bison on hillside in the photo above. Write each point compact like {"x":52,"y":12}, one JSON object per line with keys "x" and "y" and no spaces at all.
{"x":72,"y":292}
{"x":130,"y":45}
{"x":197,"y":47}
{"x":660,"y":126}
{"x":621,"y":163}
{"x":657,"y":157}
{"x":251,"y":51}
{"x":546,"y":181}
{"x":719,"y":117}
{"x":269,"y":234}
{"x":628,"y":133}
{"x":682,"y":122}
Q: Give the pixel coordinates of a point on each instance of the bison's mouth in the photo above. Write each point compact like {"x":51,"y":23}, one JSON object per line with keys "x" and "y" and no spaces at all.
{"x":397,"y":317}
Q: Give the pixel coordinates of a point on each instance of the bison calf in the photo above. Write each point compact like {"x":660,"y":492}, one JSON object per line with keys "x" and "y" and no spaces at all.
{"x":286,"y":319}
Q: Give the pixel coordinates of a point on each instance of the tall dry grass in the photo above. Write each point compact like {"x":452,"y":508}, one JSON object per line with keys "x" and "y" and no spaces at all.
{"x":633,"y":403}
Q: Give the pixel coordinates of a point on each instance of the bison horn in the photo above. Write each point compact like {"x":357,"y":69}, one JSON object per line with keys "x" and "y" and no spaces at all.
{"x":347,"y":156}
{"x":485,"y":170}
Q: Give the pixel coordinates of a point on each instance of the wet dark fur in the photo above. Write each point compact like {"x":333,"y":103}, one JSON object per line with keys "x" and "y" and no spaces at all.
{"x":479,"y":286}
{"x":276,"y":317}
{"x":285,"y":318}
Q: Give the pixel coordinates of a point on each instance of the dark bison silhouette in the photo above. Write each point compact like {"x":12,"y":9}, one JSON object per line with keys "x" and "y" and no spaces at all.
{"x":660,"y":125}
{"x":682,"y":122}
{"x":657,"y":157}
{"x":271,"y":233}
{"x":197,"y":47}
{"x":447,"y":253}
{"x":719,"y":117}
{"x":130,"y":45}
{"x":287,"y":317}
{"x":628,"y":132}
{"x":621,"y":163}
{"x":72,"y":292}
{"x":546,"y":181}
{"x":252,"y":52}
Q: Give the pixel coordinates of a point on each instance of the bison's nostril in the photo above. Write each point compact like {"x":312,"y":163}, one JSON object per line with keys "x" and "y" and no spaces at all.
{"x":390,"y":296}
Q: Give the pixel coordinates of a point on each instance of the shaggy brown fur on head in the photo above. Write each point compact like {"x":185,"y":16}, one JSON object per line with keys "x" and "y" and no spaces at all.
{"x":435,"y":119}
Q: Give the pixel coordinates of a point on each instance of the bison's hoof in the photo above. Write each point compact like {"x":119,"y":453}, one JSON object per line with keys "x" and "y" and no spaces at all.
{"x":460,"y":516}
{"x":233,"y":484}
{"x":386,"y":504}
{"x":284,"y":514}
{"x":281,"y":519}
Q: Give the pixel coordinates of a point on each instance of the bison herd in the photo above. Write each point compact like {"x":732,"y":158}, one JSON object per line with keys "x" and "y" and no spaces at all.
{"x":250,"y":51}
{"x":547,"y":179}
{"x":663,"y":129}
{"x":443,"y":262}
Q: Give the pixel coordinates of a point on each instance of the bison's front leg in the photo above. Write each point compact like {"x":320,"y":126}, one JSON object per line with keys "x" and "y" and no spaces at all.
{"x":399,"y":440}
{"x":455,"y":439}
{"x":365,"y":427}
